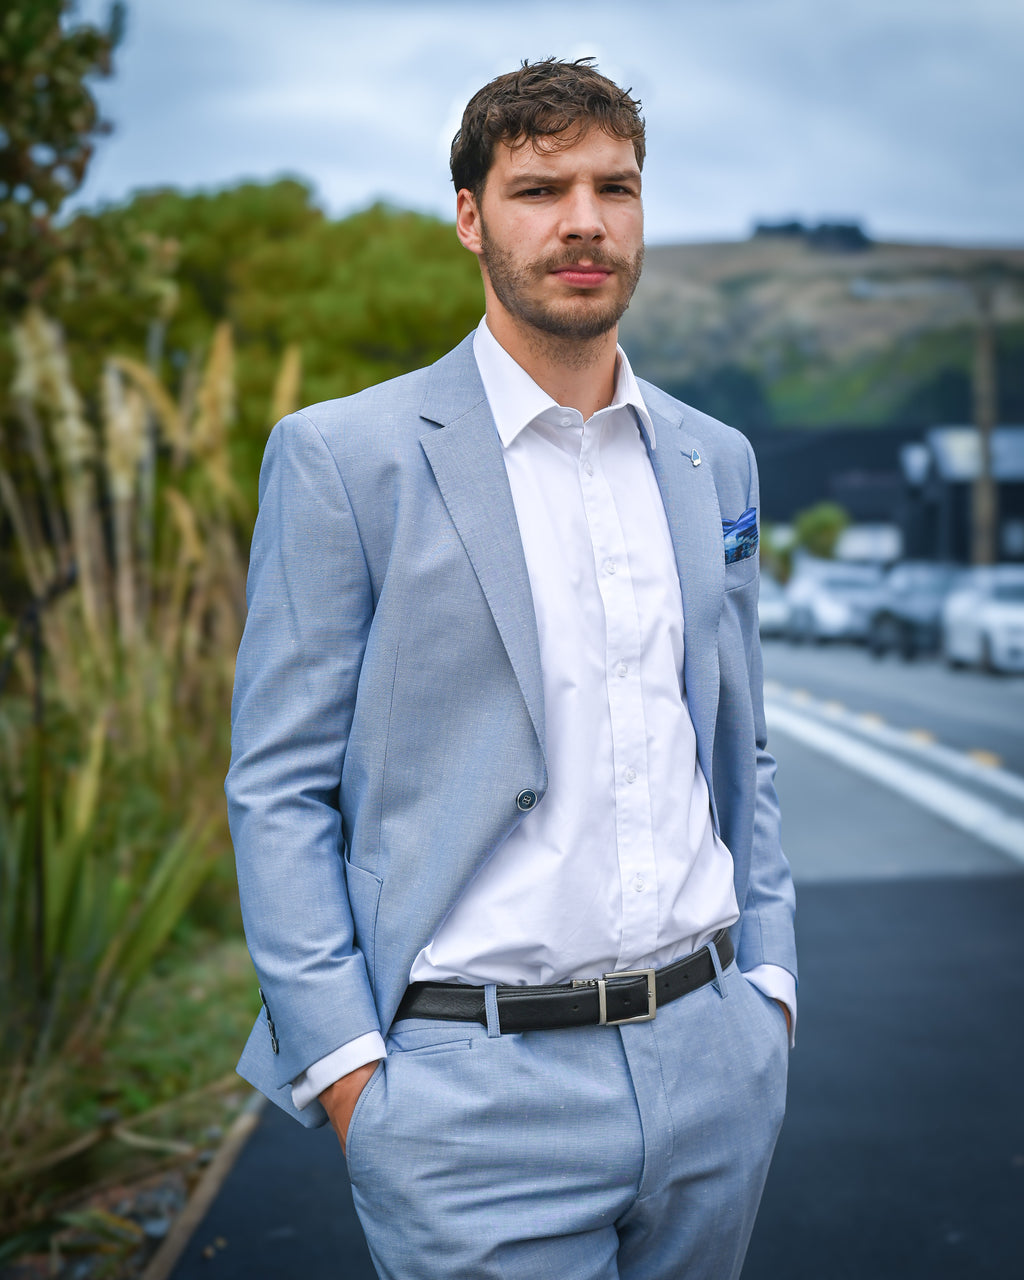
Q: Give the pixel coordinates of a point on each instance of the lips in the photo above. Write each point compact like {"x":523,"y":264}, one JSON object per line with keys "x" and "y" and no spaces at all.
{"x":583,"y":276}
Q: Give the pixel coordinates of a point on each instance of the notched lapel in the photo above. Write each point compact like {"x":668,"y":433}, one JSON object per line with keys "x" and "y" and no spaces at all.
{"x":695,"y":522}
{"x":465,"y":457}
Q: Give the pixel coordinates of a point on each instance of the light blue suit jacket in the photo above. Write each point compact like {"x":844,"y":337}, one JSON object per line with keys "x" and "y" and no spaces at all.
{"x":388,"y":704}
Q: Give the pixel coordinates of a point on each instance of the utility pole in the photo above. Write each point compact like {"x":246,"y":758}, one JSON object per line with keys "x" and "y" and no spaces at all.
{"x":984,"y":500}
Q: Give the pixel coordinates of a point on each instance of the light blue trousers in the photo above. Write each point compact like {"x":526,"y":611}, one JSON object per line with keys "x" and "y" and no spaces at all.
{"x":636,"y":1152}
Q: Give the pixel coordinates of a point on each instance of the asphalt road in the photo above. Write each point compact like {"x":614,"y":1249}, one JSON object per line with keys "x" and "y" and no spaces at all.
{"x":967,"y":710}
{"x":902,"y":1156}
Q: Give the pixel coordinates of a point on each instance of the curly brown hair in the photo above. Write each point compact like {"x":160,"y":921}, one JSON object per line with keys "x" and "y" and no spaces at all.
{"x":547,"y":99}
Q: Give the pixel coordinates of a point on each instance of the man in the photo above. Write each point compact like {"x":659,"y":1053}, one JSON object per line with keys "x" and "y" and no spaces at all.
{"x":499,"y":734}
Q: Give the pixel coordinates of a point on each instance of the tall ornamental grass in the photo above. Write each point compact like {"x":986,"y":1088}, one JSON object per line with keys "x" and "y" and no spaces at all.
{"x":123,"y":596}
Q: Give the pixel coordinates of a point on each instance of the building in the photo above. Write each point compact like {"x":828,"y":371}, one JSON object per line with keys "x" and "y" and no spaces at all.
{"x":939,"y":474}
{"x":918,"y":480}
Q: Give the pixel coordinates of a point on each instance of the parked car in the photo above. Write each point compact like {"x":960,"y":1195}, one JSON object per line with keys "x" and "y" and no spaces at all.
{"x":831,"y":599}
{"x":907,"y":615}
{"x":772,"y":607}
{"x":983,"y":621}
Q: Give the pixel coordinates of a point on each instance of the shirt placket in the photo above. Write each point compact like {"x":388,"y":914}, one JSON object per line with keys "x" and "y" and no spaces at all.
{"x":631,"y":776}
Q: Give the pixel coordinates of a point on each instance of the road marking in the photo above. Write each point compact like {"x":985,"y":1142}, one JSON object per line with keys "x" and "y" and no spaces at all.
{"x":921,"y":735}
{"x":987,"y":759}
{"x":979,"y":818}
{"x":934,"y":754}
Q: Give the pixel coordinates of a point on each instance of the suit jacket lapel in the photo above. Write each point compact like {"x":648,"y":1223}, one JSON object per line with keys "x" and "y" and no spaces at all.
{"x":469,"y":468}
{"x":695,"y":522}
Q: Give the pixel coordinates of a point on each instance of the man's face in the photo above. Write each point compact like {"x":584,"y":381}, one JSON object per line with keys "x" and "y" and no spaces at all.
{"x":559,"y":233}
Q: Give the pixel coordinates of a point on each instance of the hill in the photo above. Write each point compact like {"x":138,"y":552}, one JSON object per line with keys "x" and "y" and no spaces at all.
{"x":774,"y":330}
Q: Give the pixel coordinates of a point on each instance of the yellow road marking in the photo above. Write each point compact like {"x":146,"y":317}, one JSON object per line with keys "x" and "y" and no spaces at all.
{"x":987,"y":758}
{"x":921,"y":735}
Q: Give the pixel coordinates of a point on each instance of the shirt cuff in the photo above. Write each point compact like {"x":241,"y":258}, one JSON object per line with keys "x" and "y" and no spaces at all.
{"x":777,"y":984}
{"x":356,"y":1053}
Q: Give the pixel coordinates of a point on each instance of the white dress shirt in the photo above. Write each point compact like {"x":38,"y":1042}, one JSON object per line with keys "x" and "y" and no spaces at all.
{"x":619,"y":866}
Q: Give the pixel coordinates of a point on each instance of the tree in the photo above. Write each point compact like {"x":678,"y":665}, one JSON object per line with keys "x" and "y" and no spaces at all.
{"x":818,"y":528}
{"x":365,"y":297}
{"x":48,"y":125}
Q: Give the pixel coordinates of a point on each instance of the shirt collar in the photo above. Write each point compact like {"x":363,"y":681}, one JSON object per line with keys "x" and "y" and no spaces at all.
{"x":516,"y":400}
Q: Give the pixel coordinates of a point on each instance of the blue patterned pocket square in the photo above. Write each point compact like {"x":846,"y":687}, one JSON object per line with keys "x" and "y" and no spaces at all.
{"x":740,"y":536}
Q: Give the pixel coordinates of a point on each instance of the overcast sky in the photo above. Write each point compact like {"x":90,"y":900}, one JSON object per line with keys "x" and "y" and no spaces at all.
{"x":907,"y":114}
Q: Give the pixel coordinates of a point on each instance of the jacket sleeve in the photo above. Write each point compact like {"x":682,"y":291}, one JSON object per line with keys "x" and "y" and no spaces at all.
{"x":767,"y":926}
{"x":310,"y":608}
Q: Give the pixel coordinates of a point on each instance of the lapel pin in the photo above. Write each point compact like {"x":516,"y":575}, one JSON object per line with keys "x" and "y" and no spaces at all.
{"x":695,"y":458}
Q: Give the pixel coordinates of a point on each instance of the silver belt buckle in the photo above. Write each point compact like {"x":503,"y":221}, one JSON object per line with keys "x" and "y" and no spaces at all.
{"x":652,"y":999}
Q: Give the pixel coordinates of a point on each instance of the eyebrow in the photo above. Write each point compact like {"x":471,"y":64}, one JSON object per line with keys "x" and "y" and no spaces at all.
{"x":549,"y":179}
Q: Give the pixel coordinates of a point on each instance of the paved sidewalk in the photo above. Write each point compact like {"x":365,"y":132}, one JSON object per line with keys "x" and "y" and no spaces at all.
{"x":902,"y":1157}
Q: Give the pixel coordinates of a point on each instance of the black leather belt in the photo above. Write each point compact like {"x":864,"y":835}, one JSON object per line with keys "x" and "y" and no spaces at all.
{"x":629,"y":996}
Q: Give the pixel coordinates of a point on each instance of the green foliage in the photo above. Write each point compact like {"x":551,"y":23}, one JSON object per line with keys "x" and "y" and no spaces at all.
{"x":818,"y":528}
{"x":165,"y":1071}
{"x":113,"y":736}
{"x":944,"y":394}
{"x":49,"y":123}
{"x":776,"y":553}
{"x":90,"y":893}
{"x":123,"y":478}
{"x":922,"y":380}
{"x":362,"y":298}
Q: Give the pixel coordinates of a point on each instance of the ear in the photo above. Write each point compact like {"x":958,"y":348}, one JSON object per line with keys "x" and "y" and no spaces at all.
{"x":468,"y":222}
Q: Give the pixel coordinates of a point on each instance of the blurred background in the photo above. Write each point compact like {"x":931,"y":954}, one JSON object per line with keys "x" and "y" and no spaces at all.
{"x":211,"y":214}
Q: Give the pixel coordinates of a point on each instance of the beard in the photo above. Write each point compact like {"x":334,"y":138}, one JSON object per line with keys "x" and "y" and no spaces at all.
{"x":518,"y":287}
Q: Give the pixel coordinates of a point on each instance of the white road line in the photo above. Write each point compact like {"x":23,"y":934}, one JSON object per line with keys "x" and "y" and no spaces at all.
{"x":977,"y":817}
{"x":990,"y":776}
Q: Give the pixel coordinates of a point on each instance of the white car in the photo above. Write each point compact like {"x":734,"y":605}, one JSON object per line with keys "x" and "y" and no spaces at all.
{"x":983,"y":621}
{"x":772,"y":608}
{"x":831,"y":600}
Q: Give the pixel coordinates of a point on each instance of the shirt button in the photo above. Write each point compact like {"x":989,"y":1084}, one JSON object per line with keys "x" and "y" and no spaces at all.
{"x":631,"y":775}
{"x":525,"y":800}
{"x":622,"y":669}
{"x":588,"y":467}
{"x":609,"y":566}
{"x":638,"y":884}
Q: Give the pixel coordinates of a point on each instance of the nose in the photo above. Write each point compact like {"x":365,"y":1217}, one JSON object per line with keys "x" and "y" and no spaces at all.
{"x":582,"y":218}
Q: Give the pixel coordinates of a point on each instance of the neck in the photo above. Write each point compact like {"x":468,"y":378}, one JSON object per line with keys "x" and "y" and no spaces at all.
{"x":577,"y":373}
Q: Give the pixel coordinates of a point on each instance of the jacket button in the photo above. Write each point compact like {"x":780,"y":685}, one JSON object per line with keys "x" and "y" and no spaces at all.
{"x":525,"y":800}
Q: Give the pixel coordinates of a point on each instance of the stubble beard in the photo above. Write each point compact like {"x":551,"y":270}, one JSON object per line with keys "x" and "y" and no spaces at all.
{"x":570,"y":325}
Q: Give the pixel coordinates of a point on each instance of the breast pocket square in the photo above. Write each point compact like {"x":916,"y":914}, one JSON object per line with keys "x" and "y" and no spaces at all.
{"x":740,"y":536}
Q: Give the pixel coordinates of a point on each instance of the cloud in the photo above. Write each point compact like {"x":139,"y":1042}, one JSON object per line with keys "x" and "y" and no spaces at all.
{"x":909,"y":113}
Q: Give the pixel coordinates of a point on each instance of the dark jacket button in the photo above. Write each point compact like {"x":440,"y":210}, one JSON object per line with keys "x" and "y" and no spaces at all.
{"x":525,"y":800}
